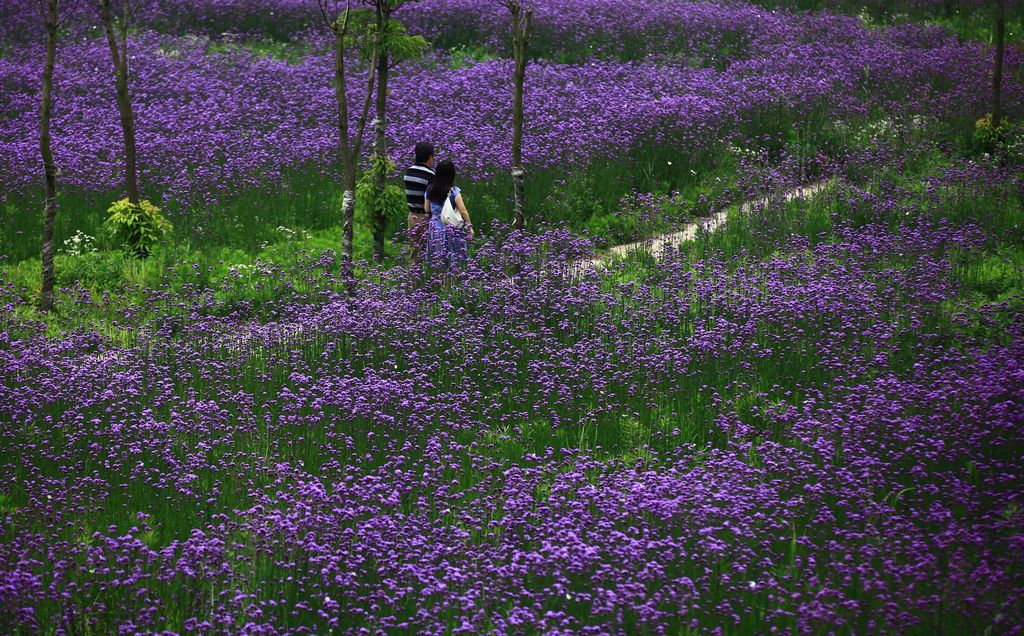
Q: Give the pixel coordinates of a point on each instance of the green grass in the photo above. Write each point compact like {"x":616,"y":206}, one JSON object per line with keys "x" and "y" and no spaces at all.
{"x":291,"y":52}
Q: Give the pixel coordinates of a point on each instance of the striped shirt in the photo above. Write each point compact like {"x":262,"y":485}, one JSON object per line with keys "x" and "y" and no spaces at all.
{"x":417,"y":178}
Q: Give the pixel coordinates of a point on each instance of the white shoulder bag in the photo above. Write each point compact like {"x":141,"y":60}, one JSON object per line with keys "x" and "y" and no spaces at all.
{"x":449,"y":215}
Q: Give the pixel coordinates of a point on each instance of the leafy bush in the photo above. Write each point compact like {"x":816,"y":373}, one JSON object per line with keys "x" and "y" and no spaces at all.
{"x":986,"y":136}
{"x":466,"y":55}
{"x":138,"y":227}
{"x":391,"y":205}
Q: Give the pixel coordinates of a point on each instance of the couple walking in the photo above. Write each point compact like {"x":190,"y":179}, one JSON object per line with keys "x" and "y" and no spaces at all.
{"x":439,"y":224}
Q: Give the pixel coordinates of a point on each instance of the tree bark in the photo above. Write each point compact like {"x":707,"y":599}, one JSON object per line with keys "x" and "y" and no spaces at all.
{"x":379,"y":220}
{"x":522,"y":23}
{"x":124,"y":104}
{"x":49,"y":168}
{"x":518,"y":179}
{"x":348,"y":147}
{"x":997,"y":72}
{"x":347,"y":160}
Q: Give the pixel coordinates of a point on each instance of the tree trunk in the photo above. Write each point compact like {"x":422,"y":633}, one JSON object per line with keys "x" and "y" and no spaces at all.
{"x":518,"y":175}
{"x":997,"y":74}
{"x":49,"y":168}
{"x":124,"y":104}
{"x":348,"y":213}
{"x":347,"y":160}
{"x":521,"y":27}
{"x":380,"y":149}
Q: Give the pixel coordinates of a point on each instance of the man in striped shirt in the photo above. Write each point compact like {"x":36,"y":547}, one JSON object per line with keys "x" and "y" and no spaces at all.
{"x":417,"y":178}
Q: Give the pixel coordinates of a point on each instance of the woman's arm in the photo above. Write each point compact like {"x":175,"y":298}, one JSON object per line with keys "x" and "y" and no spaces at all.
{"x":426,"y":204}
{"x":461,"y":205}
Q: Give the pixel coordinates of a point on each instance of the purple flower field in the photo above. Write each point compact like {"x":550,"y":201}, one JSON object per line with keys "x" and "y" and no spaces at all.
{"x":219,"y":124}
{"x":811,"y":442}
{"x":808,"y":421}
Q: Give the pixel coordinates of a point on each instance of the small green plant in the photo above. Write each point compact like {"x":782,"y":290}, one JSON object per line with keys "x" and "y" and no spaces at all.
{"x":1004,"y":143}
{"x":466,"y":55}
{"x":138,"y":227}
{"x":986,"y":137}
{"x":391,"y":204}
{"x":79,"y":244}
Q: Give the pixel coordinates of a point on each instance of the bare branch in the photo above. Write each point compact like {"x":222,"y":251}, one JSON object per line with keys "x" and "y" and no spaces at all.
{"x":348,"y":16}
{"x":363,"y":117}
{"x":322,"y":4}
{"x":69,"y":12}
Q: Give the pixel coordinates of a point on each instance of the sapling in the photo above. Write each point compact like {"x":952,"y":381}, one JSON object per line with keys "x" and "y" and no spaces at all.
{"x":49,"y":11}
{"x":522,"y":33}
{"x":392,"y":45}
{"x":997,"y":71}
{"x":138,"y":221}
{"x":116,"y":29}
{"x":351,"y":29}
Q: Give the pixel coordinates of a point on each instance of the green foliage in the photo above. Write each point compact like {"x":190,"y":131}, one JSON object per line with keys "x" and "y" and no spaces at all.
{"x":987,"y":137}
{"x":575,"y":200}
{"x":376,"y":210}
{"x":96,"y":270}
{"x":290,"y":52}
{"x":400,"y":45}
{"x":138,"y":227}
{"x":361,"y":29}
{"x":465,"y":55}
{"x":617,"y":228}
{"x":1005,"y":143}
{"x":994,"y":276}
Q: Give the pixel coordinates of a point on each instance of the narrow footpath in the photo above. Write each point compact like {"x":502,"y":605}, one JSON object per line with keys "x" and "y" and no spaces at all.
{"x":659,"y":245}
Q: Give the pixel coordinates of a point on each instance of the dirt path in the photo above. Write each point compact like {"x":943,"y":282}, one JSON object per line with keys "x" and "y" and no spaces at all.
{"x":658,"y":245}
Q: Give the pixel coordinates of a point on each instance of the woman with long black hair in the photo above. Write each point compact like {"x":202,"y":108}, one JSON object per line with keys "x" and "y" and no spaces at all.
{"x":447,"y":243}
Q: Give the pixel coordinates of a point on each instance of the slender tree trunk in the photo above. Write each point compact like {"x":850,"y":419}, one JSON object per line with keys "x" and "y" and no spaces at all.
{"x":997,"y":72}
{"x":49,"y":169}
{"x":380,"y":149}
{"x":348,"y":205}
{"x":124,"y":104}
{"x":522,"y":20}
{"x":348,"y":213}
{"x":518,"y":175}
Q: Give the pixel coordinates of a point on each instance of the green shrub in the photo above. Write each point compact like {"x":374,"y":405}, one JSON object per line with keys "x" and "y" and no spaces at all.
{"x":986,"y":136}
{"x":138,"y":227}
{"x":1005,"y":143}
{"x":387,"y":209}
{"x":465,"y":55}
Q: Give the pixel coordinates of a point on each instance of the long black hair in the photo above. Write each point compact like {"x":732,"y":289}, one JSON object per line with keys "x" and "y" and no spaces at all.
{"x":441,"y":184}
